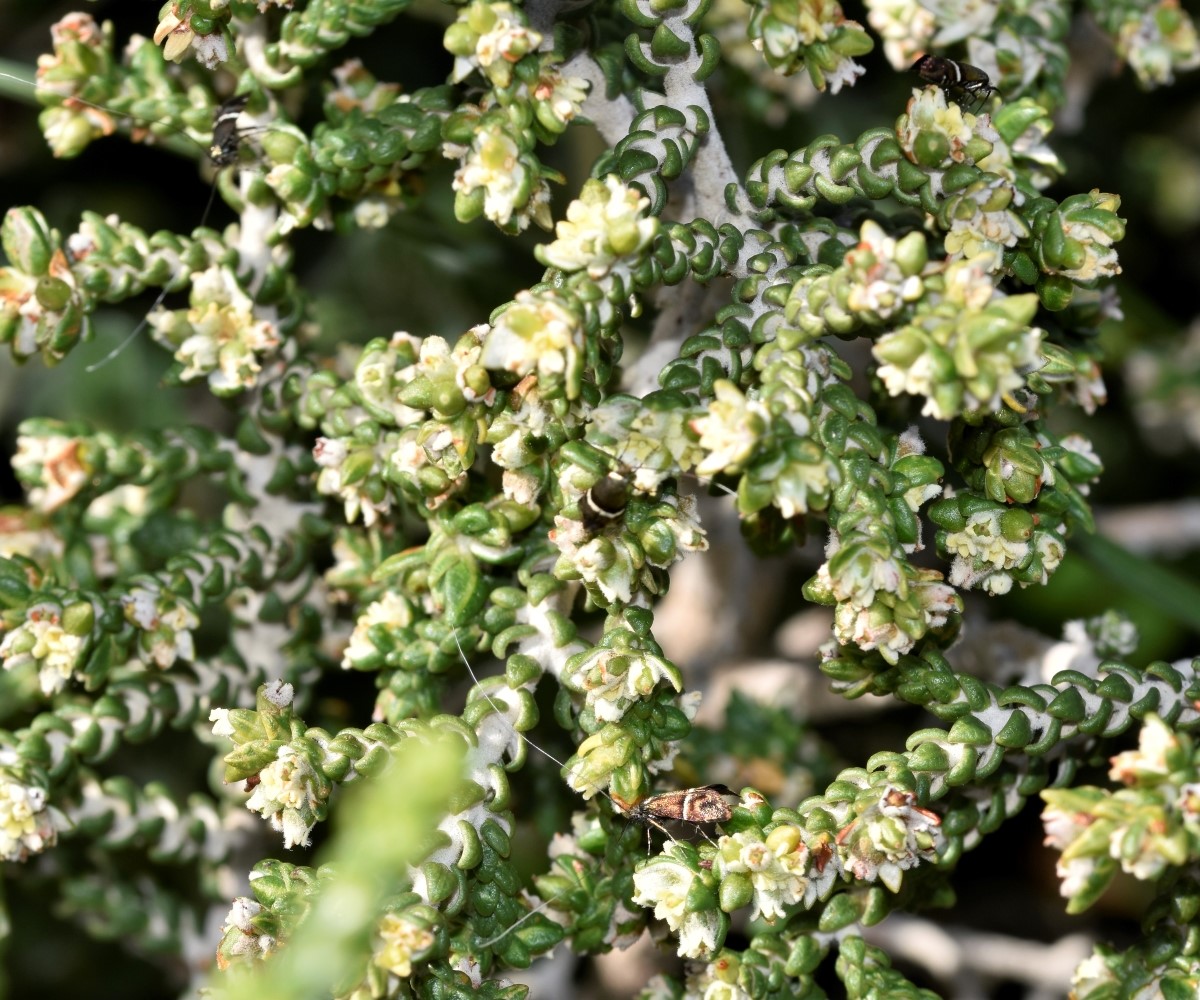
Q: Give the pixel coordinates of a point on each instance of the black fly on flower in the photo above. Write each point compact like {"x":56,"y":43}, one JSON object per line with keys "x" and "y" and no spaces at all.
{"x":967,"y":86}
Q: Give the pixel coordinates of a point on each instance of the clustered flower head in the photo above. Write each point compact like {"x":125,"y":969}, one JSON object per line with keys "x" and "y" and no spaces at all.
{"x":906,"y":27}
{"x":402,"y":940}
{"x":557,"y":99}
{"x":878,"y":280}
{"x":967,"y":345}
{"x":218,"y":337}
{"x":684,"y":897}
{"x":410,"y":422}
{"x":981,"y":220}
{"x":616,"y":545}
{"x":607,"y":222}
{"x":651,"y":437}
{"x":1156,"y":40}
{"x":53,"y":468}
{"x":777,"y":868}
{"x":40,"y":307}
{"x":51,"y":638}
{"x":1146,"y":828}
{"x":538,"y":332}
{"x":498,"y":178}
{"x":291,"y":790}
{"x":166,"y":623}
{"x":730,"y":429}
{"x":490,"y":37}
{"x":27,"y":823}
{"x":810,"y":34}
{"x":789,"y":469}
{"x":393,"y":612}
{"x":258,"y":927}
{"x":883,"y":274}
{"x":936,"y":133}
{"x":1078,"y":238}
{"x":290,"y":795}
{"x":648,"y":535}
{"x":518,"y":435}
{"x":993,"y":545}
{"x":882,"y":602}
{"x":613,"y":678}
{"x":777,"y":864}
{"x":890,"y":837}
{"x":623,"y":755}
{"x":201,"y":34}
{"x":82,"y":54}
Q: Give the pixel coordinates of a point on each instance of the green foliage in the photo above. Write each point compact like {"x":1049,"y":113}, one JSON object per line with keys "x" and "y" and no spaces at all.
{"x":865,"y":336}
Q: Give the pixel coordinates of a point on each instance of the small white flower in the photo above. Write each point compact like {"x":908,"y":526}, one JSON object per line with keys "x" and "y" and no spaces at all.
{"x":219,"y":717}
{"x":26,"y":825}
{"x":843,"y":74}
{"x":664,"y":883}
{"x":1074,"y":874}
{"x":981,"y":542}
{"x":494,"y":163}
{"x":1093,"y":976}
{"x":399,"y":941}
{"x":501,"y":39}
{"x":777,"y":866}
{"x":535,"y":333}
{"x":330,"y":454}
{"x":286,"y":796}
{"x":562,"y":95}
{"x":1149,"y":760}
{"x":730,"y":430}
{"x":905,"y":27}
{"x":607,"y":222}
{"x":53,"y":462}
{"x":41,"y":639}
{"x":217,"y":337}
{"x":393,"y":610}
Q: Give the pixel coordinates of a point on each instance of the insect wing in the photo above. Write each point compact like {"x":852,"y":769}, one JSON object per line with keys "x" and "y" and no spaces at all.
{"x":933,"y":69}
{"x":966,"y":85}
{"x":705,"y":804}
{"x":604,"y":502}
{"x":226,"y":137}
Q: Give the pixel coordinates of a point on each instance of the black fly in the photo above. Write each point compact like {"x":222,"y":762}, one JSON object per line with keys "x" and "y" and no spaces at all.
{"x":966,"y":85}
{"x":226,"y":133}
{"x":226,"y":144}
{"x":605,"y":501}
{"x":226,"y":136}
{"x":223,"y":151}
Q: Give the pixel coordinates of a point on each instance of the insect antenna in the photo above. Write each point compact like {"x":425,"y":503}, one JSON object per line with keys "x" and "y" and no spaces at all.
{"x":116,"y":351}
{"x":223,"y":152}
{"x":72,"y":99}
{"x":632,"y":814}
{"x":693,"y":805}
{"x":528,"y":916}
